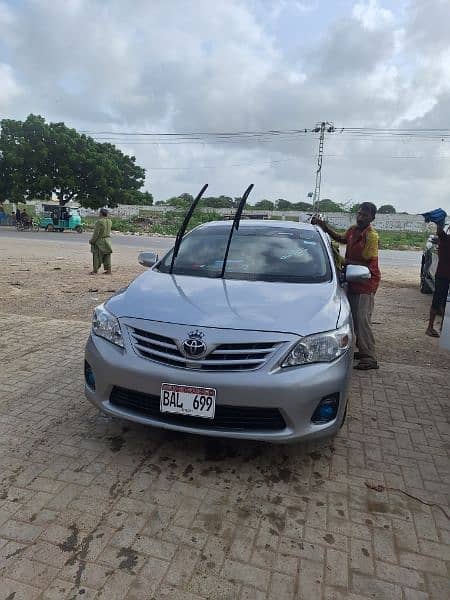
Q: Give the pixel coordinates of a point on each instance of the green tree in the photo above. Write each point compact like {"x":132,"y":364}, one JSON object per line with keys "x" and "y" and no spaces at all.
{"x":264,"y":205}
{"x":354,"y":208}
{"x":387,"y":209}
{"x":282,"y":204}
{"x":327,"y":205}
{"x":24,"y":149}
{"x":182,"y":201}
{"x":217,"y":202}
{"x":136,"y":197}
{"x":39,"y":158}
{"x":302,"y":206}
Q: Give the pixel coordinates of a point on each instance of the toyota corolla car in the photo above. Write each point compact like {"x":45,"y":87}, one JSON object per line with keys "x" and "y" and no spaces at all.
{"x":254,"y":342}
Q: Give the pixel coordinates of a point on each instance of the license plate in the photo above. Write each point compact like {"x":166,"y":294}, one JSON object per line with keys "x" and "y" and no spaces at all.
{"x":188,"y":400}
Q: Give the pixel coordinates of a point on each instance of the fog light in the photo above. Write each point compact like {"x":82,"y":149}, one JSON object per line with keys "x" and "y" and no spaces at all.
{"x":326,"y":411}
{"x":89,"y":375}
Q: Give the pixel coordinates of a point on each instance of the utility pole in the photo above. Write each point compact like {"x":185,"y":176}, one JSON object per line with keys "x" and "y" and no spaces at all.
{"x":321,"y":128}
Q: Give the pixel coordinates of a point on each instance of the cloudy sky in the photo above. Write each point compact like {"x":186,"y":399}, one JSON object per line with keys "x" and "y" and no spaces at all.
{"x":162,"y":66}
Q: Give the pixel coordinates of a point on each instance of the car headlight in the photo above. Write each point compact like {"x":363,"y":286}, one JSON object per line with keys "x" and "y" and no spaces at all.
{"x":105,"y":325}
{"x":321,"y":347}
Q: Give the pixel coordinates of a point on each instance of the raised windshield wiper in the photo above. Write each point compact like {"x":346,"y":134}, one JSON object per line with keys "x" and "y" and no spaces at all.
{"x":236,"y":221}
{"x":184,"y":225}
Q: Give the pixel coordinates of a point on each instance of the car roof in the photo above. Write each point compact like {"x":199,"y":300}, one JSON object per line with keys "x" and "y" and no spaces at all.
{"x":261,"y":223}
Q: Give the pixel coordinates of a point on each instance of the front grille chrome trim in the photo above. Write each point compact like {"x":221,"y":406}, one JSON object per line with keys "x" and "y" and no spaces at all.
{"x":239,"y":356}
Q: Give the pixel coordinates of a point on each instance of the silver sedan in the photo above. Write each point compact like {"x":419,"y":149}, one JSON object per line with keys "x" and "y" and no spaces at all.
{"x":257,"y":348}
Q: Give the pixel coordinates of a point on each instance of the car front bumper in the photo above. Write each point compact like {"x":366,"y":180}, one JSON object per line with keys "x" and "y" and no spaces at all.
{"x":295,"y":392}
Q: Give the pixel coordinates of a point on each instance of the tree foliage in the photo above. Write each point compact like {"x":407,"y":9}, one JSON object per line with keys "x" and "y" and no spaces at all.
{"x":184,"y":200}
{"x":282,"y":204}
{"x":327,"y":205}
{"x":217,"y":202}
{"x":387,"y":209}
{"x":304,"y":206}
{"x":38,"y":159}
{"x":264,"y":205}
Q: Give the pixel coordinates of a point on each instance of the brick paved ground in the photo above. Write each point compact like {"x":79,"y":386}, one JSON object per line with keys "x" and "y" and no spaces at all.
{"x":90,"y":507}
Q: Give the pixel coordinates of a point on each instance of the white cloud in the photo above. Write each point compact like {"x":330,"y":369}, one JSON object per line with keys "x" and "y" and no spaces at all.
{"x":306,"y":6}
{"x":6,"y":17}
{"x":223,"y":66}
{"x":10,"y":90}
{"x":372,"y":16}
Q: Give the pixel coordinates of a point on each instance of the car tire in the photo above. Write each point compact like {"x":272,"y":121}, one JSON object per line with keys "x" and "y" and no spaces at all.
{"x":50,"y":228}
{"x":425,"y":287}
{"x":79,"y":229}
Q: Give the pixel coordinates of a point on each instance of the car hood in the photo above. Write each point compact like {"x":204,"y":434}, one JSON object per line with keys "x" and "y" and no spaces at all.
{"x":297,"y":308}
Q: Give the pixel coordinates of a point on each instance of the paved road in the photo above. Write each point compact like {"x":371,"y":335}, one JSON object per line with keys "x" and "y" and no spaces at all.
{"x":161,"y":244}
{"x":92,"y":507}
{"x":400,"y":258}
{"x":388,"y":258}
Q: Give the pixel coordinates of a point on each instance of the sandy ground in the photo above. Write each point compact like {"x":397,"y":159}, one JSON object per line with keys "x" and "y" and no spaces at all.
{"x":40,"y":278}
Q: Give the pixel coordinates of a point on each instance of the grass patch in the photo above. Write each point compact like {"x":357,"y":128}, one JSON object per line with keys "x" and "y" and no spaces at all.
{"x":402,"y":240}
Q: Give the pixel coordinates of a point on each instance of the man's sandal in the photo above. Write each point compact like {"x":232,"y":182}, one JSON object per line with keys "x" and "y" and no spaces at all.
{"x":432,"y":333}
{"x":366,"y":366}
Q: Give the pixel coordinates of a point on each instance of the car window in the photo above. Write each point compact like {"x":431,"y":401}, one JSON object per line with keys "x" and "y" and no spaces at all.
{"x":256,"y":253}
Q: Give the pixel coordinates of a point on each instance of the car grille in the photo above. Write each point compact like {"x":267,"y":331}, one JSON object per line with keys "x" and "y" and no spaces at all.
{"x":224,"y":357}
{"x":230,"y":418}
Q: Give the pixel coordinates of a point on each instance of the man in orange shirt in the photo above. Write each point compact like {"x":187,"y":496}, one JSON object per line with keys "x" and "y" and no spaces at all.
{"x":362,"y":249}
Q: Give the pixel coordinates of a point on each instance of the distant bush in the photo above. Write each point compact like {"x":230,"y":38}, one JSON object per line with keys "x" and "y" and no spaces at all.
{"x":168,"y":223}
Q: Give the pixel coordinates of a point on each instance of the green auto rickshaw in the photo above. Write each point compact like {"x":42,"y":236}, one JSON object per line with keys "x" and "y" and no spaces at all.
{"x":59,"y":218}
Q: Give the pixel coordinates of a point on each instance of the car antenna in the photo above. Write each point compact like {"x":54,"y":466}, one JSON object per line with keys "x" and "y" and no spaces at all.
{"x":184,"y":225}
{"x":236,"y":221}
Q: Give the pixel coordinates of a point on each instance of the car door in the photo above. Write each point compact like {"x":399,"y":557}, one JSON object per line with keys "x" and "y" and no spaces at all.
{"x":434,"y":252}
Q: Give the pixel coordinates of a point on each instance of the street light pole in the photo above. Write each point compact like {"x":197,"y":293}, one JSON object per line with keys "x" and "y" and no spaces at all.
{"x":321,"y":128}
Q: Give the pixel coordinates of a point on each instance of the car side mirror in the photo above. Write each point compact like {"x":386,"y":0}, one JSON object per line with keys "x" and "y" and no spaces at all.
{"x":356,"y":273}
{"x":147,"y":259}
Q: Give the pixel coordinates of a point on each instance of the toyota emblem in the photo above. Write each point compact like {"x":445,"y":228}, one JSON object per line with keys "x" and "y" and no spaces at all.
{"x":194,"y":346}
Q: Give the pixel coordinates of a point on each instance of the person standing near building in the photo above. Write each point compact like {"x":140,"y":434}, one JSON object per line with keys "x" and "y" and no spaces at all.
{"x":441,"y":280}
{"x":101,"y":243}
{"x":362,"y":249}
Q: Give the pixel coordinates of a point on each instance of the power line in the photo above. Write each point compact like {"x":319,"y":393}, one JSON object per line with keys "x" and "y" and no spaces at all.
{"x":267,"y":131}
{"x":275,"y":162}
{"x":268,"y":137}
{"x":202,"y":133}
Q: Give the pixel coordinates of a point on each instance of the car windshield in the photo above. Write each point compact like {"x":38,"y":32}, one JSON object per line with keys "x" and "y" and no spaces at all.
{"x":256,"y":253}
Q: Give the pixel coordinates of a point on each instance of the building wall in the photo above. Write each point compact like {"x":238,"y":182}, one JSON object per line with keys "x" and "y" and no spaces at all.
{"x":339,"y":220}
